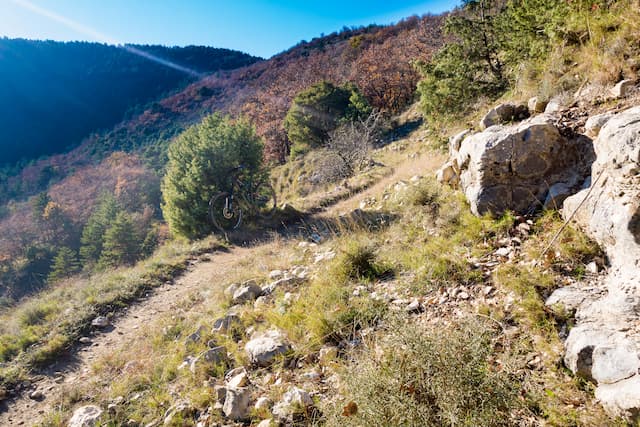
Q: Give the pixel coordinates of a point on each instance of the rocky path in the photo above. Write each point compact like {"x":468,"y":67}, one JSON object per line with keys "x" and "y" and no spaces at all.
{"x":202,"y":277}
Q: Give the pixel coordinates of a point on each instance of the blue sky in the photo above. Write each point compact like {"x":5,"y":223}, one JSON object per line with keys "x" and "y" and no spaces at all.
{"x":261,"y":28}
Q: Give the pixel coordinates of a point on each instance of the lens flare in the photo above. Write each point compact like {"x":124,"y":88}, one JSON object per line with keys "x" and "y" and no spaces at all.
{"x":96,"y":35}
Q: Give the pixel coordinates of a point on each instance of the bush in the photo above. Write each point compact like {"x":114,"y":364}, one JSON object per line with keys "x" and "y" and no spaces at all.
{"x":349,"y":148}
{"x":199,"y":162}
{"x":319,"y":110}
{"x":441,"y":376}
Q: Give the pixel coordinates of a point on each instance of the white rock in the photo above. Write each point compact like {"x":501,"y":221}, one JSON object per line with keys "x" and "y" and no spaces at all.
{"x":249,"y":291}
{"x":239,"y":380}
{"x":100,"y":322}
{"x":264,"y":349}
{"x":536,"y":105}
{"x":85,"y":416}
{"x":327,"y":354}
{"x":265,"y":423}
{"x":594,"y":124}
{"x":294,"y":401}
{"x":263,"y":403}
{"x":275,"y":274}
{"x":236,"y":403}
{"x":622,"y":88}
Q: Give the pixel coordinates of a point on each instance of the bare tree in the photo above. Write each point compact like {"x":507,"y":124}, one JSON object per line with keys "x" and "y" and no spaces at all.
{"x":349,"y":147}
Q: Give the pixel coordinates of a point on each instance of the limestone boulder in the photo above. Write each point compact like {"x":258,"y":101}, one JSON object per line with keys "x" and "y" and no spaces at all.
{"x":513,"y":167}
{"x":236,"y":403}
{"x":265,"y":348}
{"x":604,"y":346}
{"x":504,"y":113}
{"x":249,"y":291}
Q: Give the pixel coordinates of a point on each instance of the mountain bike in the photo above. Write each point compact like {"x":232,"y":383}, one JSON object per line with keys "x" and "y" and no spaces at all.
{"x":253,"y":197}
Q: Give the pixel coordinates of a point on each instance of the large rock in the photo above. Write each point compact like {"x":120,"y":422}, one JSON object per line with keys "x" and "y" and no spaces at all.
{"x":236,"y":403}
{"x":249,"y":291}
{"x":605,"y":343}
{"x":504,"y":113}
{"x":264,"y":349}
{"x":513,"y":167}
{"x":85,"y":416}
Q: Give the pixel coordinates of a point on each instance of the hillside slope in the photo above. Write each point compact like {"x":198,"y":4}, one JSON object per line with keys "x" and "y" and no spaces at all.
{"x":77,"y":88}
{"x":378,"y":59}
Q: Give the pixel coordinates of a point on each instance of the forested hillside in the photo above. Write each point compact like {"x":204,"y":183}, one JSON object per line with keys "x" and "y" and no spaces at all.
{"x":71,"y":90}
{"x":46,"y":207}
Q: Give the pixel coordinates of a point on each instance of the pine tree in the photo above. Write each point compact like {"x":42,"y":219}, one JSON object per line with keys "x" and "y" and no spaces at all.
{"x":65,"y":264}
{"x":200,"y":160}
{"x":93,"y":233}
{"x":320,"y":109}
{"x":121,"y":243}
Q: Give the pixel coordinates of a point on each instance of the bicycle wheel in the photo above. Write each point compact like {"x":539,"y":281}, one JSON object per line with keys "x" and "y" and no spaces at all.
{"x":224,"y":212}
{"x":263,"y":199}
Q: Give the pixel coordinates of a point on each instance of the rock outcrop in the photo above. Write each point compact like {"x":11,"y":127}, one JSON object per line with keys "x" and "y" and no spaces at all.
{"x":515,"y":167}
{"x":85,"y":416}
{"x":604,"y":346}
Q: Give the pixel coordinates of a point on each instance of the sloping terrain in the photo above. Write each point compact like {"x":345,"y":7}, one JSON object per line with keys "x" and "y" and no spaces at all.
{"x":72,"y":90}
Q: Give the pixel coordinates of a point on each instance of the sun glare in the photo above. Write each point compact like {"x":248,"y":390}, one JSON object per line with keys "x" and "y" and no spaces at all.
{"x":103,"y":38}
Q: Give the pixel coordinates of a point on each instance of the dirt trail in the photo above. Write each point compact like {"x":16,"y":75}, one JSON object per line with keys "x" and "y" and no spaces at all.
{"x":202,"y":276}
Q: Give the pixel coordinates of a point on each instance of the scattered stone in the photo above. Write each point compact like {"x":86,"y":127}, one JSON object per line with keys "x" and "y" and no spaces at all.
{"x":249,"y":291}
{"x":236,"y":403}
{"x":275,"y":274}
{"x":622,"y":88}
{"x":592,"y":267}
{"x":36,"y":395}
{"x":239,"y":380}
{"x":195,"y":336}
{"x":557,"y":194}
{"x":554,"y":106}
{"x":264,"y":349}
{"x":180,"y":409}
{"x":294,"y":401}
{"x":231,"y":289}
{"x":536,"y":105}
{"x":503,"y":252}
{"x":463,"y":295}
{"x":85,"y":416}
{"x":263,"y":403}
{"x":594,"y":124}
{"x":213,"y":356}
{"x":223,"y":324}
{"x":327,"y":354}
{"x":100,"y":322}
{"x":84,"y":340}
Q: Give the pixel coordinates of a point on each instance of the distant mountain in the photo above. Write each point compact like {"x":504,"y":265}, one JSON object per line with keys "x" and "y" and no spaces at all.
{"x":54,"y":94}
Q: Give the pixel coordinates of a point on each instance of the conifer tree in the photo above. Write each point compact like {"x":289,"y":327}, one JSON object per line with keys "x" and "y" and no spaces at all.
{"x":93,"y":233}
{"x":65,"y":264}
{"x":121,"y":243}
{"x":320,"y":109}
{"x":200,"y":160}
